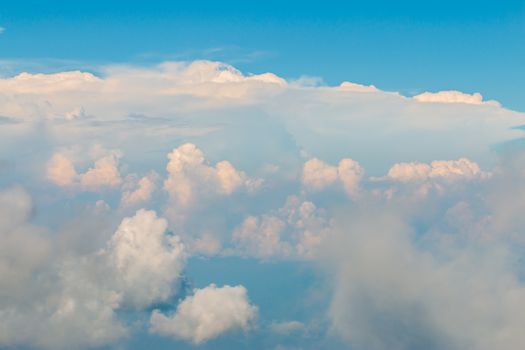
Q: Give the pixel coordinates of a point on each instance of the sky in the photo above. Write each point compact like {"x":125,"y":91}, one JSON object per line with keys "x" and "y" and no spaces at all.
{"x":286,"y":175}
{"x":408,"y":46}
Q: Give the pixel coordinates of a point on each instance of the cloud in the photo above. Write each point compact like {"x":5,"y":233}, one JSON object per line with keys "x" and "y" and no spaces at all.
{"x":453,"y":96}
{"x":190,"y":178}
{"x":43,"y":302}
{"x":261,"y":237}
{"x":392,"y":293}
{"x":56,"y":301}
{"x":439,"y":176}
{"x":349,"y":86}
{"x":287,"y":327}
{"x":206,"y":314}
{"x":295,"y":230}
{"x":138,"y":191}
{"x":415,"y":236}
{"x":104,"y":174}
{"x":451,"y":170}
{"x":61,"y":171}
{"x":146,"y":262}
{"x":2,"y":29}
{"x":318,"y":175}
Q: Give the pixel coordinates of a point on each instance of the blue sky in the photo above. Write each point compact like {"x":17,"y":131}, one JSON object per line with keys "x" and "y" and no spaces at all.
{"x":407,"y":46}
{"x":277,"y":175}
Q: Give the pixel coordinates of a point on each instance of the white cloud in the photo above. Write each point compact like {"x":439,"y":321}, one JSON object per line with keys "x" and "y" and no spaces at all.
{"x":138,"y":191}
{"x":264,"y":126}
{"x":295,"y":230}
{"x":147,"y":262}
{"x":318,"y":175}
{"x":349,"y":86}
{"x":438,"y":169}
{"x":2,"y":29}
{"x":440,"y":176}
{"x":53,"y":301}
{"x":46,"y":302}
{"x":261,"y":237}
{"x":61,"y":171}
{"x":206,"y":314}
{"x":453,"y":96}
{"x":104,"y":174}
{"x":191,"y":179}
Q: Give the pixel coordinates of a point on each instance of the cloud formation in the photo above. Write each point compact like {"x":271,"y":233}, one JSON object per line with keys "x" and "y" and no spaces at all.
{"x":453,"y":96}
{"x":392,"y":293}
{"x":208,"y":313}
{"x":318,"y":175}
{"x":104,"y":173}
{"x":58,"y":302}
{"x":420,"y":254}
{"x":192,"y":180}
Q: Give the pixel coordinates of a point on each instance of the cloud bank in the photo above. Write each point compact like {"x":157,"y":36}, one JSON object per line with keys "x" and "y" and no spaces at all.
{"x":112,"y":182}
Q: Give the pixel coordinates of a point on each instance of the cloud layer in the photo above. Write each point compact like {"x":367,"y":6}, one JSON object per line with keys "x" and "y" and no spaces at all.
{"x":113,"y":182}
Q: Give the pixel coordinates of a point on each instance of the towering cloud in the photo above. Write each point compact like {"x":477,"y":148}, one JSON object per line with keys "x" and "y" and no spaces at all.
{"x":191,"y":178}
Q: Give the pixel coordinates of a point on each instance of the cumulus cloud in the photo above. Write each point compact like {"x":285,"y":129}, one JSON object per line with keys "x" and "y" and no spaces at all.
{"x":43,"y":303}
{"x":61,"y":171}
{"x":438,"y":176}
{"x":390,"y":285}
{"x":438,"y":169}
{"x":208,"y":313}
{"x":318,"y":175}
{"x":354,"y":87}
{"x":104,"y":173}
{"x":146,"y":261}
{"x":59,"y":302}
{"x":261,"y":236}
{"x":295,"y":230}
{"x":191,"y":178}
{"x":453,"y":96}
{"x":138,"y":191}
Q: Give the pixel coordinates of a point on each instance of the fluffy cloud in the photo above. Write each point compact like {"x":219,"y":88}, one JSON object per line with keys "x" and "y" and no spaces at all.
{"x":138,"y":191}
{"x":295,"y":230}
{"x":318,"y":175}
{"x":104,"y":173}
{"x":261,"y":237}
{"x":146,"y":261}
{"x":61,"y":171}
{"x":390,"y":286}
{"x":190,"y":178}
{"x":438,"y":176}
{"x":206,"y":314}
{"x":47,"y":302}
{"x":438,"y":169}
{"x":58,"y":302}
{"x":349,"y":86}
{"x":453,"y":96}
